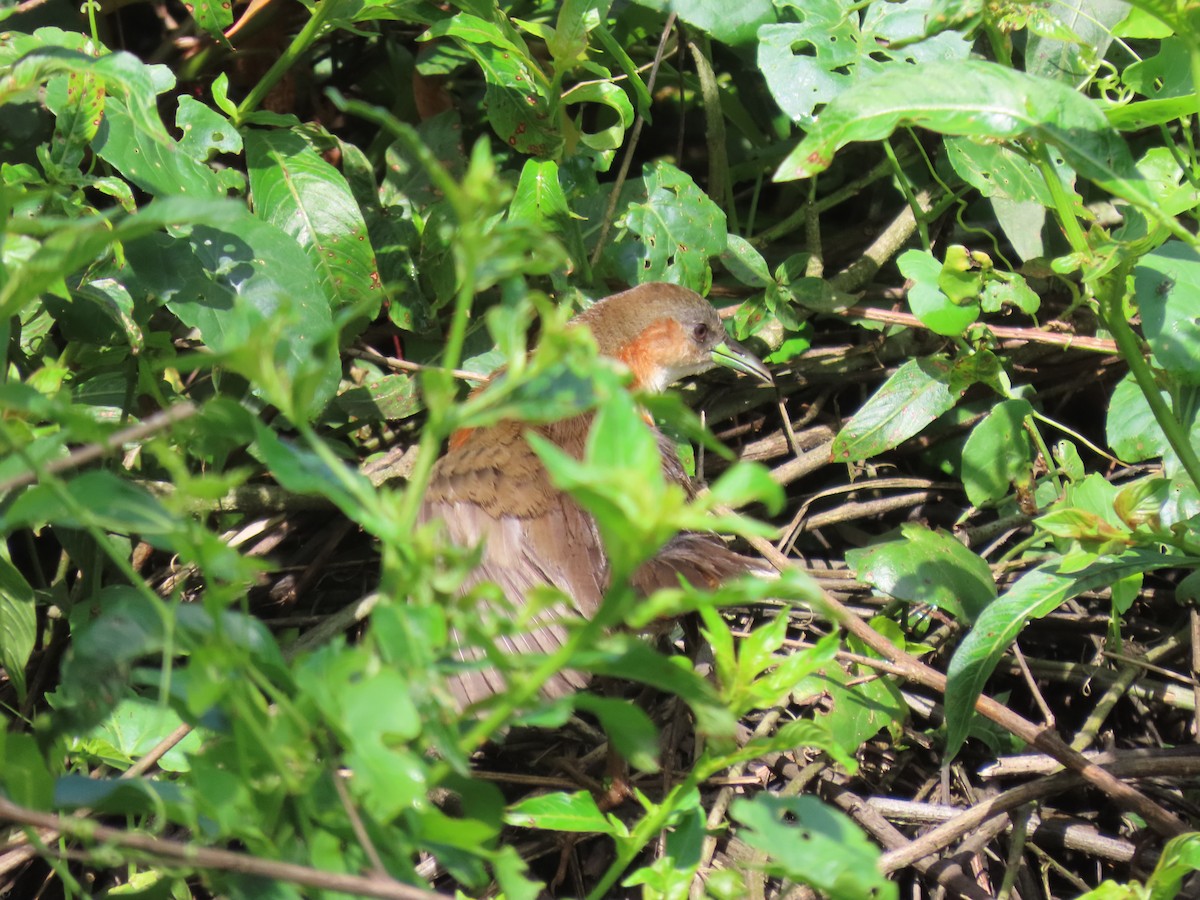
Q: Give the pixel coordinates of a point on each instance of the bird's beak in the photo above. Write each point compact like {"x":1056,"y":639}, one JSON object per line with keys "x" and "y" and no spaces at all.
{"x":732,"y":355}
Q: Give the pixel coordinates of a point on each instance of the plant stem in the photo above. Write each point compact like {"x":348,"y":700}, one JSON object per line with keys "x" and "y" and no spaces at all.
{"x":299,"y":45}
{"x":1064,"y":207}
{"x":909,"y":196}
{"x":1110,"y":292}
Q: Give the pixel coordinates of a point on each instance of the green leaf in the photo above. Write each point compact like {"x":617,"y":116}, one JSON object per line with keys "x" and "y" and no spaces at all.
{"x":962,"y":274}
{"x":729,"y":24}
{"x":214,"y":17}
{"x":628,"y":658}
{"x":74,"y":244}
{"x":827,"y":732}
{"x":916,"y":394}
{"x":519,"y":105}
{"x":927,"y":300}
{"x":378,"y":706}
{"x":1167,"y":283}
{"x":135,"y":727}
{"x":539,"y":202}
{"x":1166,"y":73}
{"x":744,"y":483}
{"x":104,"y":499}
{"x":18,"y":622}
{"x":121,"y":796}
{"x":387,"y":780}
{"x":539,"y":198}
{"x":205,"y":131}
{"x":112,"y":298}
{"x":393,"y":235}
{"x":671,"y":874}
{"x":998,"y":454}
{"x":809,"y":63}
{"x":861,"y":705}
{"x":1022,"y":222}
{"x":1073,"y":46}
{"x":569,"y":42}
{"x":996,"y":170}
{"x":131,"y":135}
{"x":1180,"y":857}
{"x":1140,"y":502}
{"x":77,"y":102}
{"x":1033,"y":596}
{"x":1131,"y":429}
{"x":563,"y":378}
{"x":619,"y":481}
{"x":945,"y":97}
{"x":609,"y":95}
{"x":810,"y":843}
{"x":303,"y":471}
{"x":576,"y":812}
{"x":927,"y":566}
{"x":1080,"y":525}
{"x":95,"y":676}
{"x":136,"y":143}
{"x":1146,"y":113}
{"x":629,"y":729}
{"x":27,"y":780}
{"x":745,"y":263}
{"x":1009,"y":289}
{"x":677,"y":228}
{"x":386,"y":398}
{"x":755,"y":676}
{"x":309,"y":200}
{"x":249,"y":287}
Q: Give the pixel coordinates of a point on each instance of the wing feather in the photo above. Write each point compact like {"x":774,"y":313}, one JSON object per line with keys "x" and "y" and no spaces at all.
{"x":491,"y":489}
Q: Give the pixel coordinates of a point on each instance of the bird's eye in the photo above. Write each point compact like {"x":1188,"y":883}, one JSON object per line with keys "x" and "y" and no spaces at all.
{"x":700,"y":332}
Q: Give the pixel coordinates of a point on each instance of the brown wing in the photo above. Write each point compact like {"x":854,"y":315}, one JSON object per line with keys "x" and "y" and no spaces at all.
{"x":702,"y":559}
{"x":492,"y":489}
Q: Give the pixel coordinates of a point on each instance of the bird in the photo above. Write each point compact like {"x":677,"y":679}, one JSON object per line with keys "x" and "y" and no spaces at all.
{"x":490,"y":486}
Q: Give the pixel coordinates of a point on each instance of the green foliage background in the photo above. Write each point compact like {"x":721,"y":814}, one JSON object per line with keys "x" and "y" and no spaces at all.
{"x":200,"y":267}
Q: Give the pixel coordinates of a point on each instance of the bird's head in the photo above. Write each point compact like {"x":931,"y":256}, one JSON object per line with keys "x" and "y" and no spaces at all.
{"x":664,"y":332}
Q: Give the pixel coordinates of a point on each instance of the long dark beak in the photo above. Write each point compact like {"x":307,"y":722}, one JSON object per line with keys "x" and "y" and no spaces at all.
{"x":732,"y":355}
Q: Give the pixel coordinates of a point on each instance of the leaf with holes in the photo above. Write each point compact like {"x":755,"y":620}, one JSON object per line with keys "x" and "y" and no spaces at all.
{"x":807,"y":64}
{"x":205,"y":131}
{"x":141,"y":150}
{"x":998,"y":171}
{"x":671,"y":235}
